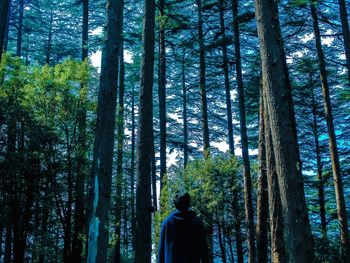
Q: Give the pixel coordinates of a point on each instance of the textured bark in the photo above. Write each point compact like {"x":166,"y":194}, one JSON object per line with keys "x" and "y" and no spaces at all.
{"x":132,"y":168}
{"x":81,"y":156}
{"x":101,"y":171}
{"x":154,"y":175}
{"x":278,"y":251}
{"x":49,"y":40}
{"x":248,"y":202}
{"x":4,"y":8}
{"x":120,"y":144}
{"x":321,"y":197}
{"x":276,"y":85}
{"x":20,"y":28}
{"x":346,"y":33}
{"x":337,"y":178}
{"x":143,"y":239}
{"x":202,"y":84}
{"x":221,"y":4}
{"x":162,"y":93}
{"x":184,"y":109}
{"x":262,"y":202}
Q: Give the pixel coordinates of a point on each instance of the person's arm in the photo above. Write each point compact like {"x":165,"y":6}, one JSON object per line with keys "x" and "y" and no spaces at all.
{"x":161,"y":256}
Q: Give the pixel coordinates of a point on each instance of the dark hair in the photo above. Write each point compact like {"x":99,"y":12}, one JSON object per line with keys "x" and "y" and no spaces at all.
{"x":182,"y":201}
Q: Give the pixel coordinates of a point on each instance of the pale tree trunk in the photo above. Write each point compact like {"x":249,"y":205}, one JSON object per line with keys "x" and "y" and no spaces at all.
{"x":184,"y":109}
{"x":101,"y":171}
{"x":162,"y":92}
{"x":346,"y":33}
{"x":248,"y":202}
{"x":120,"y":144}
{"x":202,"y":84}
{"x":337,"y":178}
{"x":278,"y":250}
{"x":4,"y":8}
{"x":262,"y":202}
{"x":143,"y":238}
{"x":276,"y":87}
{"x":221,"y":4}
{"x":321,"y":197}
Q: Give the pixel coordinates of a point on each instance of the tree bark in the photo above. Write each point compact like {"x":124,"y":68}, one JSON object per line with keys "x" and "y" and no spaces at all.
{"x":120,"y":144}
{"x":262,"y":202}
{"x":248,"y":202}
{"x":162,"y":91}
{"x":4,"y":9}
{"x":202,"y":84}
{"x":321,"y":198}
{"x":337,"y":178}
{"x":346,"y":33}
{"x":221,"y":4}
{"x":20,"y":28}
{"x":132,"y":167}
{"x":184,"y":109}
{"x":276,"y":85}
{"x":143,"y":239}
{"x":101,"y":171}
{"x":278,"y":250}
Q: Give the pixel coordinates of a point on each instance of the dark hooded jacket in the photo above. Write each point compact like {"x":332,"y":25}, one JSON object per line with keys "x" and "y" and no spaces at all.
{"x":183,"y":239}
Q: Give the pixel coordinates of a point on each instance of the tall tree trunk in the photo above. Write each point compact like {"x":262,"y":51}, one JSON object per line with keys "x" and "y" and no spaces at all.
{"x":239,"y":242}
{"x":4,"y":8}
{"x":67,"y":249}
{"x":321,"y":198}
{"x":202,"y":85}
{"x":143,"y":240}
{"x":132,"y":168}
{"x":346,"y":33}
{"x":120,"y":144}
{"x":221,"y":242}
{"x":49,"y":40}
{"x":184,"y":109}
{"x":162,"y":91}
{"x":20,"y":28}
{"x":221,"y":4}
{"x":154,"y":175}
{"x":248,"y":202}
{"x":338,"y":183}
{"x":262,"y":202}
{"x":276,"y":85}
{"x":278,"y":250}
{"x":81,"y":155}
{"x":101,"y":171}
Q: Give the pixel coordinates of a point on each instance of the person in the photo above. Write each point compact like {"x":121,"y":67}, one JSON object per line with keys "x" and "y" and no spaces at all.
{"x":182,"y":237}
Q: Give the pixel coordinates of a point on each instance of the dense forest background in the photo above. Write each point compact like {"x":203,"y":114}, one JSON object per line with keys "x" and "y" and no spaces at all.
{"x":108,"y":108}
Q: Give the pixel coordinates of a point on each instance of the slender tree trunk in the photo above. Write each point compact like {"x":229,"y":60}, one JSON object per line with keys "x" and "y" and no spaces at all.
{"x":132,"y":168}
{"x":49,"y":40}
{"x":184,"y":109}
{"x":221,"y":243}
{"x":248,"y":202}
{"x":67,"y":249}
{"x":221,"y":4}
{"x":337,"y":178}
{"x":154,"y":175}
{"x":262,"y":202}
{"x":162,"y":91}
{"x":20,"y":28}
{"x":346,"y":33}
{"x":278,"y":251}
{"x":321,"y":198}
{"x":120,"y":143}
{"x":276,"y":85}
{"x":4,"y":8}
{"x":202,"y":85}
{"x":101,"y":171}
{"x":143,"y":240}
{"x":7,"y":30}
{"x":81,"y":156}
{"x":239,"y":242}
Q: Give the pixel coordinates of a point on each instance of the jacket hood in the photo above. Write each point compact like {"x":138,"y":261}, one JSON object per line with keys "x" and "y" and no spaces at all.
{"x":183,"y":216}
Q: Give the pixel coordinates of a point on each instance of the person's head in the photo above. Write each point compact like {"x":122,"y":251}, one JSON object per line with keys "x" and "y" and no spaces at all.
{"x":182,"y":201}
